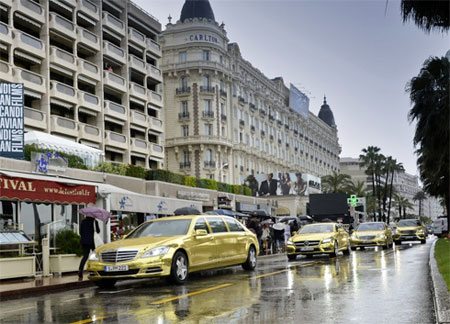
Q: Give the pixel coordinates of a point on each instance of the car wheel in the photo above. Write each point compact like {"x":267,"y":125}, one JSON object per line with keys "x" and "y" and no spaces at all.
{"x":105,"y":283}
{"x":423,"y":241}
{"x":362,"y":248}
{"x":250,"y":264}
{"x":179,"y":268}
{"x":353,"y":248}
{"x":397,"y":242}
{"x":335,"y":250}
{"x":347,"y":251}
{"x":292,"y":257}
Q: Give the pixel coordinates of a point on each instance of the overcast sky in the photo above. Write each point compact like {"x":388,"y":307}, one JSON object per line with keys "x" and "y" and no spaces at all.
{"x":358,"y":53}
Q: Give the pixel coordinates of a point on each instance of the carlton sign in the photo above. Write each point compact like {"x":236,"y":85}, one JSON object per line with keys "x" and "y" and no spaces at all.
{"x":203,"y":38}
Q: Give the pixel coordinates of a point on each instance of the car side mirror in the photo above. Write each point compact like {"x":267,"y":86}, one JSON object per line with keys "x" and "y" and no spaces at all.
{"x":200,"y":232}
{"x":353,"y":231}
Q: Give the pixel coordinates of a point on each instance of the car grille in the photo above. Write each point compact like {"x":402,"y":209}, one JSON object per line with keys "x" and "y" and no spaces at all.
{"x":115,"y":256}
{"x":408,"y":232}
{"x":367,"y":237}
{"x":307,"y":243}
{"x":118,"y":273}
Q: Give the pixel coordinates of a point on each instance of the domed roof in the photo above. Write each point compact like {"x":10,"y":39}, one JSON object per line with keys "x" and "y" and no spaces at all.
{"x":326,"y":114}
{"x":197,"y":9}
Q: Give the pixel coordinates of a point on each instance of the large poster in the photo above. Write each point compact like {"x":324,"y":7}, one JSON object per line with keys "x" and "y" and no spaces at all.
{"x":282,"y":184}
{"x":11,"y":120}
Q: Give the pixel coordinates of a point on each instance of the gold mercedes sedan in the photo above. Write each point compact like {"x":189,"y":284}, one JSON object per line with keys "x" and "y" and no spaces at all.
{"x":371,"y":234}
{"x":409,"y":230}
{"x":319,"y":238}
{"x":173,"y":247}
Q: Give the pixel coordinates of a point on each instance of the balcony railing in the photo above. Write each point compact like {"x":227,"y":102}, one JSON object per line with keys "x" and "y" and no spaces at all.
{"x":262,"y":112}
{"x":241,"y":100}
{"x":183,"y":115}
{"x":185,"y":165}
{"x":252,"y":128}
{"x":223,"y":93}
{"x":157,"y":122}
{"x":30,"y":40}
{"x":207,"y":89}
{"x":252,"y":106}
{"x":271,"y":137}
{"x":263,"y":133}
{"x":223,"y":117}
{"x":182,"y":91}
{"x":241,"y":122}
{"x":208,"y":114}
{"x":279,"y":122}
{"x":210,"y":164}
{"x":113,"y":23}
{"x":136,"y":36}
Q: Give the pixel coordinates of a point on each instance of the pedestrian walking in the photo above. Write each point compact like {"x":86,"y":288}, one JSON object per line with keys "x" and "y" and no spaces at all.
{"x":265,"y":238}
{"x":87,"y":240}
{"x":287,"y":233}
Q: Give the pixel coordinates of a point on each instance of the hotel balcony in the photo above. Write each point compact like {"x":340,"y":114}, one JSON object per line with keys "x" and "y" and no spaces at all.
{"x":89,"y":9}
{"x":154,"y":48}
{"x":62,"y":58}
{"x":241,"y":123}
{"x":136,"y":63}
{"x":223,"y":117}
{"x":136,"y":37}
{"x":210,"y":164}
{"x":262,"y":112}
{"x":88,"y":69}
{"x":263,"y":133}
{"x":6,"y":72}
{"x":138,"y":91}
{"x":156,"y":125}
{"x":183,"y":91}
{"x":31,"y":80}
{"x":138,"y":145}
{"x":155,"y":98}
{"x":63,"y":92}
{"x":29,"y":44}
{"x":89,"y":132}
{"x":115,"y":110}
{"x":6,"y":33}
{"x":154,"y":72}
{"x":200,"y":139}
{"x":252,"y":128}
{"x":116,"y":140}
{"x":62,"y":26}
{"x":208,"y":114}
{"x":89,"y":101}
{"x":113,"y":52}
{"x":183,"y":115}
{"x":208,"y":89}
{"x":157,"y":151}
{"x":88,"y":39}
{"x":138,"y":118}
{"x":64,"y":126}
{"x":35,"y":118}
{"x":112,"y":23}
{"x":223,"y":93}
{"x":114,"y":81}
{"x":31,"y":9}
{"x":185,"y":165}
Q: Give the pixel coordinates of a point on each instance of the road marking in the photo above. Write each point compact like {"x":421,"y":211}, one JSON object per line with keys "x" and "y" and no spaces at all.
{"x":115,"y":292}
{"x":69,"y":300}
{"x":269,"y":274}
{"x":162,"y":301}
{"x":15,"y":310}
{"x":89,"y":320}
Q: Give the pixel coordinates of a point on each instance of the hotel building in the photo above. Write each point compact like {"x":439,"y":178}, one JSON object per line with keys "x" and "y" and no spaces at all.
{"x":91,"y":73}
{"x":224,"y":118}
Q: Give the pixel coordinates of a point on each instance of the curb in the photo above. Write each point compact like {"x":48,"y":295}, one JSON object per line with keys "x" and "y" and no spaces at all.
{"x":269,"y":256}
{"x":16,"y":293}
{"x":440,"y":294}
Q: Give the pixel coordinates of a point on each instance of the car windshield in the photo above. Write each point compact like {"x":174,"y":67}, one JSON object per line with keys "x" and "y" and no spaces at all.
{"x":326,"y":228}
{"x":408,"y":222}
{"x":162,"y":228}
{"x":370,"y":227}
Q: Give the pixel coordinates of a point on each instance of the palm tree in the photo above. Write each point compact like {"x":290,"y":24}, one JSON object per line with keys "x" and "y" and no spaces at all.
{"x":396,"y":168}
{"x":359,"y":189}
{"x":387,"y":168}
{"x":420,"y":196}
{"x":429,"y":94}
{"x":335,"y":182}
{"x":369,"y":159}
{"x":403,"y":204}
{"x":427,"y":15}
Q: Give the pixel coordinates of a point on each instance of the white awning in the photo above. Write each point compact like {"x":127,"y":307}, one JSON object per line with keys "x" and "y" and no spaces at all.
{"x":87,"y":111}
{"x":114,"y":120}
{"x":87,"y":80}
{"x":61,"y":103}
{"x":62,"y":5}
{"x":28,"y":57}
{"x":88,"y":19}
{"x":61,"y":70}
{"x":32,"y":94}
{"x":3,"y":47}
{"x":140,"y":102}
{"x":28,"y":20}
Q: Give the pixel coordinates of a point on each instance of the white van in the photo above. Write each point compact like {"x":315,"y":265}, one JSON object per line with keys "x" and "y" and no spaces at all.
{"x":440,"y":226}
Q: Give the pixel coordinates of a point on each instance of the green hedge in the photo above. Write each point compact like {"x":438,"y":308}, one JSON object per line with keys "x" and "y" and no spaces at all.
{"x":190,"y":181}
{"x":74,"y":161}
{"x":68,"y":242}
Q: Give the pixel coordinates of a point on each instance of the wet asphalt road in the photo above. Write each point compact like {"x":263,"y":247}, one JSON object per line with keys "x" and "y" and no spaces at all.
{"x":371,"y":286}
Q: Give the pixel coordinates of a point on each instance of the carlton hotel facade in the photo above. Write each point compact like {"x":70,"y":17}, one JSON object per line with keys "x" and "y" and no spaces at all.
{"x":224,"y":118}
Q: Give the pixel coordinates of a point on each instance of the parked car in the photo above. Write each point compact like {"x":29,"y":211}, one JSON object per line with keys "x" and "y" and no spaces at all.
{"x":320,"y":238}
{"x":440,"y":226}
{"x":409,"y":230}
{"x":174,"y":247}
{"x":372,"y":234}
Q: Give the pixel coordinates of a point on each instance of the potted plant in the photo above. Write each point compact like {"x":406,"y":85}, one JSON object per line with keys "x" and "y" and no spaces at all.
{"x":17,"y":266}
{"x":68,"y":252}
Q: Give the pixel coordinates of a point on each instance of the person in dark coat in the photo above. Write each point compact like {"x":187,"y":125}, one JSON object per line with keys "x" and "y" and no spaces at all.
{"x":87,"y":240}
{"x":269,"y":186}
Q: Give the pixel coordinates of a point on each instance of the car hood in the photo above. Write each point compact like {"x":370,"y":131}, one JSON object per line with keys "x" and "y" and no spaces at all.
{"x":311,"y":237}
{"x":143,"y":243}
{"x":409,"y":228}
{"x":368,"y":233}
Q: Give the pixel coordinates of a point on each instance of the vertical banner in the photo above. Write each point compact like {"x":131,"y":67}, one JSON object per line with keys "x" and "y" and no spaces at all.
{"x":11,"y":120}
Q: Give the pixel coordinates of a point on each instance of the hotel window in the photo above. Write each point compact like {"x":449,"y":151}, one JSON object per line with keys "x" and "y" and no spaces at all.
{"x":183,"y":83}
{"x":184,"y":108}
{"x":206,"y":81}
{"x":186,"y":158}
{"x":221,"y":59}
{"x":209,"y":129}
{"x":182,"y":56}
{"x":208,"y":155}
{"x":185,"y":130}
{"x":207,"y":106}
{"x":223,"y":131}
{"x":235,"y":113}
{"x":206,"y":55}
{"x":234,"y":90}
{"x":236,"y":136}
{"x":222,"y":85}
{"x":222,"y":109}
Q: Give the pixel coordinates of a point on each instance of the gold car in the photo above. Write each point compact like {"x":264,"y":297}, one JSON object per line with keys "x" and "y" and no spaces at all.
{"x":372,"y":234}
{"x":174,"y":247}
{"x":409,"y":230}
{"x":318,"y":238}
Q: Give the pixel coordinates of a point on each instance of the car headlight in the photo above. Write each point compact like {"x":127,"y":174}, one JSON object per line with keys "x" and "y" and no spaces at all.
{"x":354,"y":237}
{"x":289,"y":242}
{"x":93,"y":256}
{"x":160,"y":250}
{"x":381,"y":236}
{"x":420,"y":231}
{"x":327,"y":240}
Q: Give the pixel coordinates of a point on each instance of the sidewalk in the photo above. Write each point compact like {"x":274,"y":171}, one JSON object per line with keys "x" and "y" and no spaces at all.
{"x":441,"y":296}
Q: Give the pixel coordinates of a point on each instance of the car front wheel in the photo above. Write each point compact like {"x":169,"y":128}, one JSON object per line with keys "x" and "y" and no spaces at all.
{"x":292,"y":257}
{"x":105,"y":283}
{"x":179,"y":269}
{"x":250,"y":264}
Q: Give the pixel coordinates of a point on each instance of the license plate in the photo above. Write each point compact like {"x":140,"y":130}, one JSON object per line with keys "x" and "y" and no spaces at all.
{"x":116,"y":268}
{"x":410,"y":237}
{"x":366,"y":242}
{"x":307,"y":249}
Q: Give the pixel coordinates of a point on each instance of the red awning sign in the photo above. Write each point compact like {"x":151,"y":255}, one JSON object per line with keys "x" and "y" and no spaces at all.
{"x":45,"y":191}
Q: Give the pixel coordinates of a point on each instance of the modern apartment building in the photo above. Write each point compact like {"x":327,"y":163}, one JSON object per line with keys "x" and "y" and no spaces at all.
{"x":224,"y":118}
{"x":91,"y":73}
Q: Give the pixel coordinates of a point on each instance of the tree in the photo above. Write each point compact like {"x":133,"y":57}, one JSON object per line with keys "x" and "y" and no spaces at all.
{"x":396,"y":168}
{"x":369,"y":160}
{"x":359,"y":189}
{"x":335,"y":182}
{"x":420,"y":196}
{"x":427,"y":15}
{"x":402,"y":204}
{"x":429,"y":94}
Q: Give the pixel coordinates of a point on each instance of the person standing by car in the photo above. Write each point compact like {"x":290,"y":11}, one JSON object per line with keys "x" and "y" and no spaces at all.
{"x":87,"y":240}
{"x":265,"y":238}
{"x":255,"y":225}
